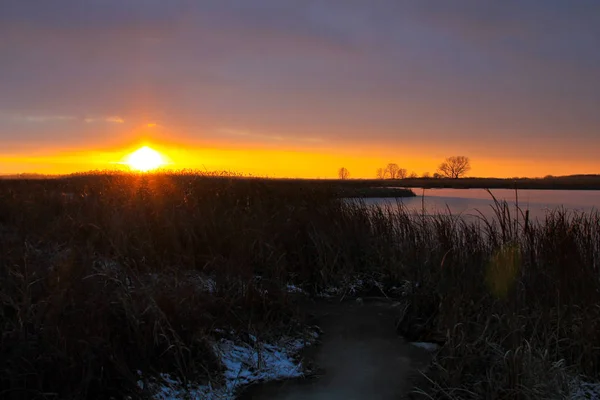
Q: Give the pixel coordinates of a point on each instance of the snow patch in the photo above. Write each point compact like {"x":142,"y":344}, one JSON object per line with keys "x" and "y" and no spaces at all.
{"x":243,"y":364}
{"x":294,"y":289}
{"x":208,"y":285}
{"x":351,"y":287}
{"x":362,"y":284}
{"x":426,"y":346}
{"x":582,"y":390}
{"x":330,"y":292}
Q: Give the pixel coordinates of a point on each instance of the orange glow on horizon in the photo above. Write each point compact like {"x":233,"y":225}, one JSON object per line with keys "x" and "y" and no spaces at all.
{"x":276,"y":162}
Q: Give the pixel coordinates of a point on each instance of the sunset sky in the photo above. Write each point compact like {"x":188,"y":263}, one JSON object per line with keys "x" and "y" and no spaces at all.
{"x":299,"y":88}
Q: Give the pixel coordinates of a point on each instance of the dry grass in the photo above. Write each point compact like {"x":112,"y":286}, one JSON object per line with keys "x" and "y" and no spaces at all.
{"x":106,"y":275}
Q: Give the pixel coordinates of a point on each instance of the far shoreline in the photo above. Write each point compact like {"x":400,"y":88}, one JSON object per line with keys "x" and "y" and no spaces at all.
{"x":584,"y":182}
{"x":380,"y":187}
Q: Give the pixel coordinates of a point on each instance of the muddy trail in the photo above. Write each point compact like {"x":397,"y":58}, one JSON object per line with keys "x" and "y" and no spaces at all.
{"x":360,"y":356}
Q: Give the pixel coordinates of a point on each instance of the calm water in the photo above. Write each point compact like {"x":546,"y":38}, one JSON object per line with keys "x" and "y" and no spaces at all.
{"x":467,"y":201}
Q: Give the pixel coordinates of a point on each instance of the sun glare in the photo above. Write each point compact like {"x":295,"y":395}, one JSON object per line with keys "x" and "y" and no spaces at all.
{"x":145,"y":159}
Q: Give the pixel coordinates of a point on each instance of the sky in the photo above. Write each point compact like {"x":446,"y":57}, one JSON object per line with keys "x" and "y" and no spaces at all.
{"x":299,"y":88}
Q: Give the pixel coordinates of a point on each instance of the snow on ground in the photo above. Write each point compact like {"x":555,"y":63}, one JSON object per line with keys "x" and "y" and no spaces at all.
{"x":205,"y":284}
{"x":243,"y":364}
{"x":582,"y":390}
{"x":351,"y":287}
{"x":291,"y":288}
{"x":359,"y":284}
{"x":426,"y":346}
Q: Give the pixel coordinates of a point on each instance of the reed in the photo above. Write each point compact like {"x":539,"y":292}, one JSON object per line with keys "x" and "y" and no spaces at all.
{"x":105,"y":275}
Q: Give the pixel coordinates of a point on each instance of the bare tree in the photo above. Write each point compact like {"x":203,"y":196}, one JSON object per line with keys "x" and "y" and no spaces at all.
{"x":455,"y":167}
{"x":426,"y":175}
{"x":402,"y":173}
{"x":413,"y":175}
{"x":437,"y":175}
{"x":343,"y":173}
{"x":380,"y":173}
{"x":391,"y":171}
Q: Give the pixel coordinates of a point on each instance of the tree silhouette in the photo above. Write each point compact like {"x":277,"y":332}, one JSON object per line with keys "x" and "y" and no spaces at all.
{"x":402,"y":173}
{"x":455,"y":167}
{"x":413,"y":175}
{"x":343,"y":173}
{"x":391,"y":171}
{"x":380,"y":173}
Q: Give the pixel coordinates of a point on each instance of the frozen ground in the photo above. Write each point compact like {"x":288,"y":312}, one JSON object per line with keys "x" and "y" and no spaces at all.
{"x":582,"y":390}
{"x":360,"y":357}
{"x":426,"y":346}
{"x":243,"y":364}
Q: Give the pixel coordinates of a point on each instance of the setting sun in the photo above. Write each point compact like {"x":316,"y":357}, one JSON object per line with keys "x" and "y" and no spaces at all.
{"x":145,"y":159}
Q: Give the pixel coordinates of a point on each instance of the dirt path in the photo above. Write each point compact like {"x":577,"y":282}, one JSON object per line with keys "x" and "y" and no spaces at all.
{"x":361,"y":356}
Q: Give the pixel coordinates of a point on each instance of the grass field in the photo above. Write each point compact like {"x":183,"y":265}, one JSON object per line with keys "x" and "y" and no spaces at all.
{"x":106,"y":275}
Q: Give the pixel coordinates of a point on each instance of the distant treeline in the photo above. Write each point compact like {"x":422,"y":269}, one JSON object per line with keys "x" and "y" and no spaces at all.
{"x":364,"y":187}
{"x":326,"y":188}
{"x":571,"y":182}
{"x":28,"y":176}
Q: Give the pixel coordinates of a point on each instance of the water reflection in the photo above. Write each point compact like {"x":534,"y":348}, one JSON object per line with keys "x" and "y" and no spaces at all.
{"x":471,"y":203}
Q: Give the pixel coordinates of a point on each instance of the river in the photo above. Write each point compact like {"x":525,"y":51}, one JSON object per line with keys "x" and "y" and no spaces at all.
{"x":470,"y":202}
